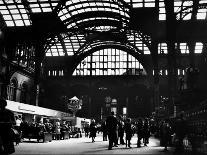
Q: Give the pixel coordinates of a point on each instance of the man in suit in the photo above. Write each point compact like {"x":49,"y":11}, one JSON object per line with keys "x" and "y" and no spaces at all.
{"x":111,"y":126}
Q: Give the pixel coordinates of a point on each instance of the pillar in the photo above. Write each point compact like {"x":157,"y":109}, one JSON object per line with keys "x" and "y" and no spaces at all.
{"x":3,"y":66}
{"x":127,"y":106}
{"x":171,"y":56}
{"x":39,"y":55}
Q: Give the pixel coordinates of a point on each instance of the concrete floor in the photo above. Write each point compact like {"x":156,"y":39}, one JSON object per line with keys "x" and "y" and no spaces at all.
{"x":85,"y":146}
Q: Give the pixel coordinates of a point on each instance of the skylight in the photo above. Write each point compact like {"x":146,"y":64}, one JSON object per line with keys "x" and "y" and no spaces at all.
{"x":83,"y":12}
{"x":14,"y":14}
{"x":71,"y":44}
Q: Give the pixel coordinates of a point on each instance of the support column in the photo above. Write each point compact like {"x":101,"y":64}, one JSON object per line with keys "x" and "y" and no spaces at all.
{"x":155,"y":59}
{"x":3,"y":66}
{"x":39,"y":55}
{"x":171,"y":56}
{"x":191,"y":46}
{"x":127,"y":106}
{"x":89,"y":104}
{"x":156,"y":89}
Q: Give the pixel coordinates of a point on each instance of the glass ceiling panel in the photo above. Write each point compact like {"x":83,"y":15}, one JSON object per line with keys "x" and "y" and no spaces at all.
{"x":184,"y":9}
{"x":136,"y":39}
{"x":141,"y":3}
{"x":77,"y":7}
{"x":15,"y":13}
{"x":70,"y":43}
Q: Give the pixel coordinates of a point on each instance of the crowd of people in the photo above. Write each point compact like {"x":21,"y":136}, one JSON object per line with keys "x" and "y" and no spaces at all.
{"x":117,"y":128}
{"x":114,"y":129}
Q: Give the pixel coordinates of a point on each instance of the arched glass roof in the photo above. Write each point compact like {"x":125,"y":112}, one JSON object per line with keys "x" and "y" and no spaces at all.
{"x":84,"y":17}
{"x":16,"y":12}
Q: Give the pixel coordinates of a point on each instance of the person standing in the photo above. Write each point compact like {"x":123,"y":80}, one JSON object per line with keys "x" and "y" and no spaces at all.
{"x":166,"y":134}
{"x":93,"y":130}
{"x":128,"y":131}
{"x":57,"y":130}
{"x":111,"y":126}
{"x":139,"y":132}
{"x":146,"y":132}
{"x":103,"y":127}
{"x":121,"y":131}
{"x":7,"y":120}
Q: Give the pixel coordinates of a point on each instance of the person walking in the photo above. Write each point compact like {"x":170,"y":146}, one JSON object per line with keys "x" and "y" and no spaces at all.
{"x":7,"y":121}
{"x":111,"y":126}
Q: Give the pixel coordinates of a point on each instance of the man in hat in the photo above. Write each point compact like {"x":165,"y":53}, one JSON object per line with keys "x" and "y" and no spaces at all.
{"x":7,"y":120}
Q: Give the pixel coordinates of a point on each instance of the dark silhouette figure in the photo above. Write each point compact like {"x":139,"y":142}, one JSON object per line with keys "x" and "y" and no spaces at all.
{"x":146,"y":132}
{"x":111,"y":125}
{"x":181,"y":131}
{"x":128,"y":131}
{"x":93,"y":130}
{"x":7,"y":120}
{"x":139,"y":132}
{"x":104,"y":130}
{"x":86,"y":130}
{"x":166,"y":134}
{"x":121,"y":132}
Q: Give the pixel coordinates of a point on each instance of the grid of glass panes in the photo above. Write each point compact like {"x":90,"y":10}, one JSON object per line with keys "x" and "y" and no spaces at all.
{"x":198,"y":47}
{"x":74,"y":7}
{"x":55,"y":50}
{"x":14,"y":13}
{"x":42,"y":5}
{"x":108,"y":62}
{"x":162,"y":48}
{"x":72,"y":44}
{"x":141,"y":46}
{"x":135,"y":39}
{"x":184,"y":48}
{"x":162,"y":13}
{"x":183,"y":9}
{"x":142,"y":3}
{"x":202,"y":11}
{"x":84,"y":67}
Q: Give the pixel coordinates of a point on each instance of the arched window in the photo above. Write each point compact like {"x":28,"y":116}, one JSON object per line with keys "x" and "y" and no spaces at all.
{"x":11,"y":90}
{"x":109,"y":62}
